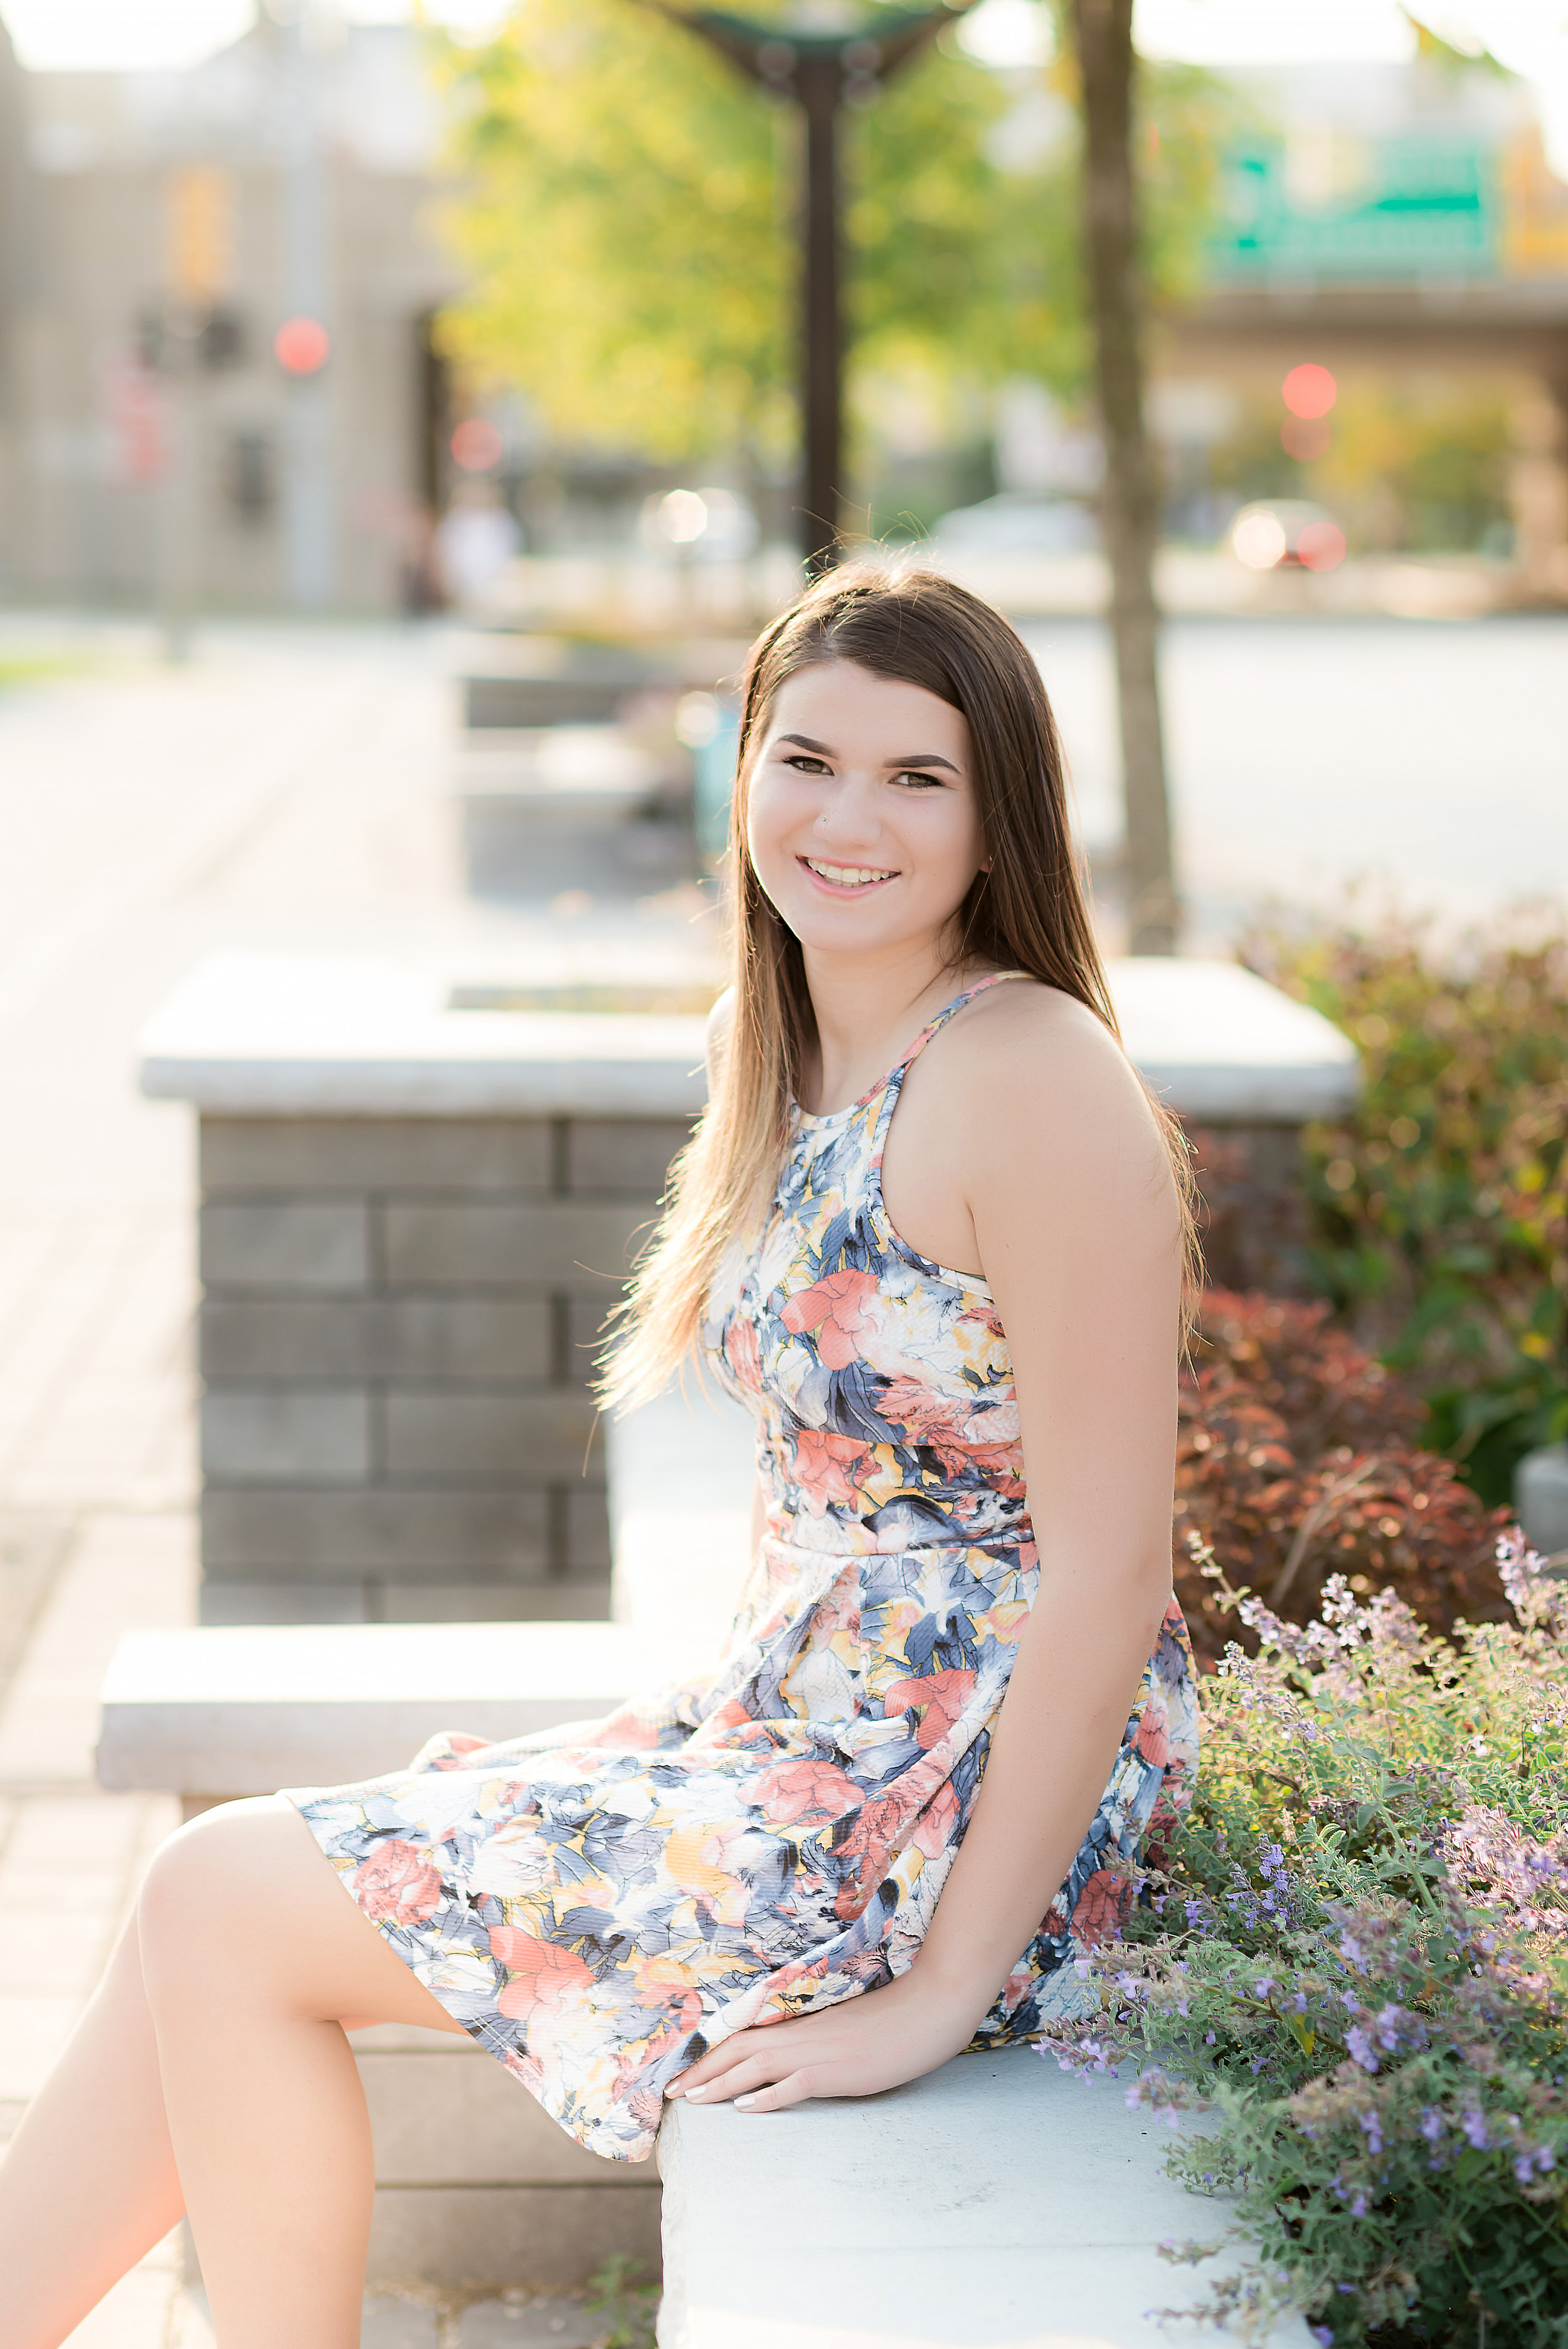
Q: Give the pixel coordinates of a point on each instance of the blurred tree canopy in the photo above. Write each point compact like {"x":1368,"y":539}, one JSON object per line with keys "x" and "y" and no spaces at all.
{"x":626,"y":216}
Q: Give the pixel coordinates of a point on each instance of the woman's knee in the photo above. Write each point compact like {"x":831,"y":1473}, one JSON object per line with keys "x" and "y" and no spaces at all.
{"x":204,"y":1890}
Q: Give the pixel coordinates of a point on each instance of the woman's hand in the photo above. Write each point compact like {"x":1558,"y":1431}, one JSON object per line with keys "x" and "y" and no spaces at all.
{"x":877,"y":2041}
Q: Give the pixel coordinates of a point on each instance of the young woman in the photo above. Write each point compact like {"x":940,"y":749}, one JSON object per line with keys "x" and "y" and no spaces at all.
{"x":935,"y":1233}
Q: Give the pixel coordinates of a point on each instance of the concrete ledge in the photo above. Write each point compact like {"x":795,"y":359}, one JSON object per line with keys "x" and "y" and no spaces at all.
{"x":245,"y":1709}
{"x":275,"y":1036}
{"x":996,"y":2201}
{"x":268,"y":1036}
{"x":1225,"y":1048}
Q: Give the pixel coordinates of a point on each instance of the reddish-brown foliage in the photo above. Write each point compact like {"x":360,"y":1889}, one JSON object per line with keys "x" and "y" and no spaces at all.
{"x":1296,"y":1459}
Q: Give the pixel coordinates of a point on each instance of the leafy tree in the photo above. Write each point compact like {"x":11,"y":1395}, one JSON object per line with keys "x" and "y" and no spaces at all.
{"x":627,"y":219}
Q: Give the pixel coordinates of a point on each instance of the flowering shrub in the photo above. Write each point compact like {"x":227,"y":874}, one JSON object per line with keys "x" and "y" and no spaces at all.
{"x":1354,"y":1962}
{"x":1439,"y":1209}
{"x":1295,"y":1459}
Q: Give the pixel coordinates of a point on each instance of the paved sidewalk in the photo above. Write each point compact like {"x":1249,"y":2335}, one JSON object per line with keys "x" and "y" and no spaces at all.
{"x":281,"y":792}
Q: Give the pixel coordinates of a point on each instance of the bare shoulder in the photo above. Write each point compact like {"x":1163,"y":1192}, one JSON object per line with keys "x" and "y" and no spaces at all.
{"x":1041,"y":1082}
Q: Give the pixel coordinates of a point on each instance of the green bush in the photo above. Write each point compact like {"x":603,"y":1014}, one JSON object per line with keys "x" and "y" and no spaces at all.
{"x":1439,"y":1209}
{"x":1354,"y":1958}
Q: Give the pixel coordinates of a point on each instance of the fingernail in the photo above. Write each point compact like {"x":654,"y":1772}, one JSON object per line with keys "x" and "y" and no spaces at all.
{"x":744,"y":2104}
{"x":693,"y":2095}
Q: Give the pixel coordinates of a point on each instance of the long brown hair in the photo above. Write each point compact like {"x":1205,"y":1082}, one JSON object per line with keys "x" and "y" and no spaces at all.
{"x":1026,"y":912}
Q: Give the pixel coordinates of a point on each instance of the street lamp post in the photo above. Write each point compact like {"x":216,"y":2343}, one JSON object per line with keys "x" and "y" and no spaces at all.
{"x":821,"y":71}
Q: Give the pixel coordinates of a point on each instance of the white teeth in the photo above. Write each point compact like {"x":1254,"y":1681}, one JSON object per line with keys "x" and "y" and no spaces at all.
{"x":848,"y":876}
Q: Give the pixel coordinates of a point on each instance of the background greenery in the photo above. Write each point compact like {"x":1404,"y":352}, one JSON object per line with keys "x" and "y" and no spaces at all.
{"x":1440,"y":1208}
{"x":626,"y":217}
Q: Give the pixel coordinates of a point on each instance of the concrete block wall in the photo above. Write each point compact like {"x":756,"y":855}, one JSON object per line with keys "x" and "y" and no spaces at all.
{"x":475,"y":2185}
{"x":398,"y":1323}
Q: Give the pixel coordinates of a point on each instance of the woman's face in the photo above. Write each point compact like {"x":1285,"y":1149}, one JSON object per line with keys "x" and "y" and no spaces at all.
{"x":862,"y":823}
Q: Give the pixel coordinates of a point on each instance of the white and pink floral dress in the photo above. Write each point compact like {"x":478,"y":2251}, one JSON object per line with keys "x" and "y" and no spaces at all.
{"x":597,"y":1912}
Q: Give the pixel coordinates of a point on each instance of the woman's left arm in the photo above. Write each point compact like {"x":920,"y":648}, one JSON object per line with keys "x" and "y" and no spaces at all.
{"x":1077,"y":1227}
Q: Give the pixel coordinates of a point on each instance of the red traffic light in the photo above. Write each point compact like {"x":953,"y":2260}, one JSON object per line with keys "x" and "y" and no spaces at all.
{"x":301,"y":346}
{"x":477,"y":445}
{"x":1309,"y":391}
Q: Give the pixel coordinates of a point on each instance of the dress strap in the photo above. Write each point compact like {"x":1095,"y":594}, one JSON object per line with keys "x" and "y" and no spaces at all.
{"x":992,"y":979}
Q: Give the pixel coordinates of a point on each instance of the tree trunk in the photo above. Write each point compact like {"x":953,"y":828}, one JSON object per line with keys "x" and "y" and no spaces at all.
{"x":1129,"y":506}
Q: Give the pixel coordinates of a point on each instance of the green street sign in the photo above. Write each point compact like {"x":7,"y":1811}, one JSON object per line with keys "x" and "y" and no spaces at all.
{"x":1339,"y":207}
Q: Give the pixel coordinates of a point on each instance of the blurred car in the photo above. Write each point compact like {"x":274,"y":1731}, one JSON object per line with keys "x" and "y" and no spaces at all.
{"x":1013,"y":523}
{"x":1286,"y":534}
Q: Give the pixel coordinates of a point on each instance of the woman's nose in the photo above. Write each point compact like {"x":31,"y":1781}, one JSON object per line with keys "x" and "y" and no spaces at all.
{"x":850,"y":814}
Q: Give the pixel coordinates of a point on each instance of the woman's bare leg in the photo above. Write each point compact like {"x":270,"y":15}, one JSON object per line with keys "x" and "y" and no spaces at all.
{"x":248,"y":1952}
{"x":87,"y":2184}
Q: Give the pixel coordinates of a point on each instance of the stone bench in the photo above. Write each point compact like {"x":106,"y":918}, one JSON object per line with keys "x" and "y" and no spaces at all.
{"x":993,"y":2202}
{"x":417,"y":1206}
{"x":543,"y":810}
{"x":535,"y":680}
{"x":996,"y":2201}
{"x":474,"y":2185}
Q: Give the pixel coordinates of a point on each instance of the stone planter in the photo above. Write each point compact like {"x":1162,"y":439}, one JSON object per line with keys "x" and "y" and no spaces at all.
{"x":414,"y":1218}
{"x":1540,"y":1496}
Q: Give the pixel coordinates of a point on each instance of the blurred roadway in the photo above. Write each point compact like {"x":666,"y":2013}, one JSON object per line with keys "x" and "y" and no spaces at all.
{"x":1427,"y":759}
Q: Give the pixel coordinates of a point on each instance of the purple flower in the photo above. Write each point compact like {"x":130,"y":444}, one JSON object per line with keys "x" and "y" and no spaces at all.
{"x":1323,"y":2337}
{"x":1360,"y":2045}
{"x":1372,"y":2129}
{"x":1474,"y":2126}
{"x":1431,"y":2124}
{"x":1523,"y":2169}
{"x":1358,"y":2209}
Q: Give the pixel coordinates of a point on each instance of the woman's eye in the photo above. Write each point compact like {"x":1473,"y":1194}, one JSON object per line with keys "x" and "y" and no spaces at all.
{"x":925,"y":782}
{"x":806,"y":765}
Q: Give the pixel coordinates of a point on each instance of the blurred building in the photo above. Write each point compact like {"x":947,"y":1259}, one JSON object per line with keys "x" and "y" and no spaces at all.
{"x":1400,"y":219}
{"x":216,"y":384}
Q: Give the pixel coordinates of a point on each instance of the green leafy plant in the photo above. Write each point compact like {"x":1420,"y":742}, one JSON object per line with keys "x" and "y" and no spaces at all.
{"x":1439,"y":1209}
{"x":628,"y":2307}
{"x":1354,"y":1964}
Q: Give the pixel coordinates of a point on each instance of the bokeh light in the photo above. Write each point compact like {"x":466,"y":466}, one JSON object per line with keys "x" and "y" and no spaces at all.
{"x":1309,"y":390}
{"x":1304,"y":437}
{"x":682,"y":516}
{"x":1259,"y":541}
{"x":301,"y":346}
{"x":476,"y":444}
{"x":1320,"y":546}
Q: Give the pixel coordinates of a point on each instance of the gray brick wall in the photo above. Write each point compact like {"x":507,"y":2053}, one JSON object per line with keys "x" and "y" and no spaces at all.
{"x":397,"y":1328}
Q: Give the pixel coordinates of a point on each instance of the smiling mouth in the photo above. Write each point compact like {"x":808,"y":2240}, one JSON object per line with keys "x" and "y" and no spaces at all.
{"x":848,"y":876}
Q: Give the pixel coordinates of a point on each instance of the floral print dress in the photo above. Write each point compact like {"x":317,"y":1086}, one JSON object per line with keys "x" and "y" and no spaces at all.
{"x":598,"y":1906}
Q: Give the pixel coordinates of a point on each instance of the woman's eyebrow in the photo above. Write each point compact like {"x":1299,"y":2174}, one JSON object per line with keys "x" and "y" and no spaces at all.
{"x":916,"y":759}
